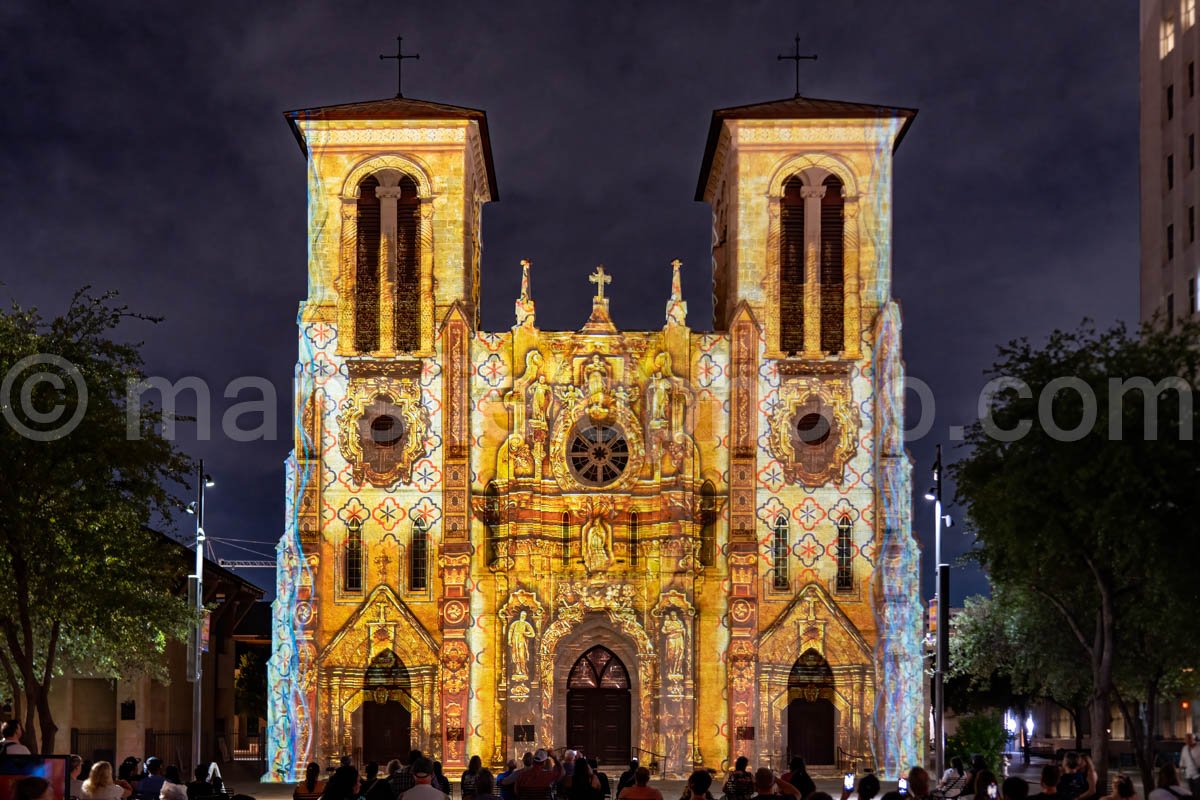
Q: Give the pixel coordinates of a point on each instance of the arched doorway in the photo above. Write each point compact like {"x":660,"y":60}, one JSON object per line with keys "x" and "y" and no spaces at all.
{"x":599,"y":705}
{"x":811,"y":717}
{"x":386,"y":720}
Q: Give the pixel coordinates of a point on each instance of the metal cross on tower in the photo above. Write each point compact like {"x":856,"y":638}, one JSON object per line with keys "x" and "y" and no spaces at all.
{"x":400,"y":56}
{"x":796,"y":57}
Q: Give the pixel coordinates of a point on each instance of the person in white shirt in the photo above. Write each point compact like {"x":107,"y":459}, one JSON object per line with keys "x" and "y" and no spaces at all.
{"x":1167,"y":783}
{"x":100,"y":785}
{"x":75,"y":765}
{"x":422,"y":772}
{"x":10,"y":743}
{"x":1189,"y":759}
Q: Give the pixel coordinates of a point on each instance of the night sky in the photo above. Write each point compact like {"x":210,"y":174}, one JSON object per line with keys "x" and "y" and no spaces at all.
{"x":144,"y":151}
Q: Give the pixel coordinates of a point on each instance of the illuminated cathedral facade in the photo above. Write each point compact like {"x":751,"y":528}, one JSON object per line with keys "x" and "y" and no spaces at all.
{"x":680,"y":544}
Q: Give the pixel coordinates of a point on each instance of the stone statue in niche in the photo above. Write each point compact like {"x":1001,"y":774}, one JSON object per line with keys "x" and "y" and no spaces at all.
{"x":674,"y":645}
{"x":597,"y":533}
{"x":659,"y":401}
{"x":596,"y":374}
{"x":520,"y":632}
{"x":539,"y":402}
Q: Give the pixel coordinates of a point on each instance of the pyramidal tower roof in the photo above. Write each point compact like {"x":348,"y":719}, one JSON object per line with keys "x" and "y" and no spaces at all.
{"x":397,"y":108}
{"x":797,"y":107}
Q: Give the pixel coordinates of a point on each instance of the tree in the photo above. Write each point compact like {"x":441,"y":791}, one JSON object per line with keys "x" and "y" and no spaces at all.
{"x":1009,"y":649}
{"x":250,"y":686}
{"x":86,"y":581}
{"x":1090,"y":506}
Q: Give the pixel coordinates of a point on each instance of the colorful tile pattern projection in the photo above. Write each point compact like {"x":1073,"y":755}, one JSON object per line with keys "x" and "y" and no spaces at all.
{"x":468,"y":520}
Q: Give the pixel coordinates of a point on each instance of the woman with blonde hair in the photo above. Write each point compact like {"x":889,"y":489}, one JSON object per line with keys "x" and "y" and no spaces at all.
{"x":1089,"y":772}
{"x":100,"y":785}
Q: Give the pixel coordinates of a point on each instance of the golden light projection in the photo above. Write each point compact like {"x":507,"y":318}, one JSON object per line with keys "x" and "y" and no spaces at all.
{"x":679,"y":544}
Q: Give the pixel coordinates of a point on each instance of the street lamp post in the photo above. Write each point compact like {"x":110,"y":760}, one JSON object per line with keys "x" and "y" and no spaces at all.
{"x":196,"y":580}
{"x":942,"y":594}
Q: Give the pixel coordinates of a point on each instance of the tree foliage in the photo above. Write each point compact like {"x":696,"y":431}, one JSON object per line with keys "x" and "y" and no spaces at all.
{"x":250,"y":686}
{"x":1086,"y":515}
{"x":1011,"y":649}
{"x":87,"y":582}
{"x":980,"y":734}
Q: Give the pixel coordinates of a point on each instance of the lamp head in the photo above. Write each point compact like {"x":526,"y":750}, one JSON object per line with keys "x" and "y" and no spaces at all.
{"x":947,"y":521}
{"x":191,"y":507}
{"x":209,"y":482}
{"x":931,"y":495}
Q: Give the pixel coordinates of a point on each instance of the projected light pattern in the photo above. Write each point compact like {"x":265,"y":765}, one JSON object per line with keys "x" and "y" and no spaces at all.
{"x":744,"y":575}
{"x":290,"y":681}
{"x":900,"y":704}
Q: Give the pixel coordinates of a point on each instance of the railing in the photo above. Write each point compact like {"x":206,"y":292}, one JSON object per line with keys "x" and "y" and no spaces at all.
{"x":853,"y":762}
{"x":98,"y":745}
{"x":255,"y":749}
{"x":173,"y":747}
{"x":658,"y":761}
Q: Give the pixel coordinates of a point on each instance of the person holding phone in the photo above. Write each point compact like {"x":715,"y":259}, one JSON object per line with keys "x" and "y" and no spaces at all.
{"x":868,"y":787}
{"x":919,"y":785}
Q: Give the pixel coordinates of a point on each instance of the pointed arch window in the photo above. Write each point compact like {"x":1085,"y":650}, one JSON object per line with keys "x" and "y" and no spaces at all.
{"x":845,"y":555}
{"x":418,"y":557}
{"x":366,"y":272}
{"x":635,"y":539}
{"x":791,"y":267}
{"x":708,"y":523}
{"x":565,"y":538}
{"x":832,"y":266}
{"x":779,"y":554}
{"x":352,"y":560}
{"x":407,"y":300}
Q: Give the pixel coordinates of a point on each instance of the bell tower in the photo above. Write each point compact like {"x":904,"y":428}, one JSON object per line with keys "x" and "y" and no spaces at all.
{"x":801,"y":193}
{"x":395,"y":191}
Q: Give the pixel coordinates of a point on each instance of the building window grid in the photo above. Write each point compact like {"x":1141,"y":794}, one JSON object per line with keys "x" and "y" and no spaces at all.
{"x":1188,"y":18}
{"x":1191,"y":73}
{"x":1166,"y":42}
{"x":1191,"y":151}
{"x":1170,"y":242}
{"x":779,"y":554}
{"x":845,"y":555}
{"x":1192,"y":295}
{"x":352,"y":569}
{"x":1191,"y":223}
{"x":1170,"y":173}
{"x":418,"y":558}
{"x":1171,"y":101}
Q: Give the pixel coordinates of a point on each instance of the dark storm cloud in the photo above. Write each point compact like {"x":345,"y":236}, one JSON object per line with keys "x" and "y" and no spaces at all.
{"x":143,"y":150}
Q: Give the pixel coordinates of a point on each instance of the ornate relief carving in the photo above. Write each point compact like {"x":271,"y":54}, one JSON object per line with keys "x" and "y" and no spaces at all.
{"x":814,"y":430}
{"x":605,"y":423}
{"x":382,"y":429}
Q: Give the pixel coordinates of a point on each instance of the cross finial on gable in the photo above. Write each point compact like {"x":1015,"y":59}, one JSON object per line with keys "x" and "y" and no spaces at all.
{"x":796,"y":57}
{"x":601,"y":279}
{"x":400,"y":56}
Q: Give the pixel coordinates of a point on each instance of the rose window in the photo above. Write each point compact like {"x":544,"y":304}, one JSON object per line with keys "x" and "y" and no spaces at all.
{"x":597,"y":454}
